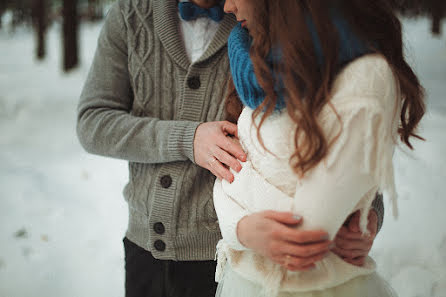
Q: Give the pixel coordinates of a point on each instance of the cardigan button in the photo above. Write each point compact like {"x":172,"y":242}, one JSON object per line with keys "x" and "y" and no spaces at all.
{"x":194,"y":82}
{"x":160,"y":246}
{"x":159,"y":228}
{"x":166,"y":181}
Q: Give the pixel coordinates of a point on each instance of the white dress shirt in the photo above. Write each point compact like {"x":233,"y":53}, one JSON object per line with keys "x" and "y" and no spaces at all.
{"x":197,"y":35}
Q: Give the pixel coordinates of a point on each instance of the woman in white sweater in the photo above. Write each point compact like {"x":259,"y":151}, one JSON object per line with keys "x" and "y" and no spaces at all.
{"x":326,"y":94}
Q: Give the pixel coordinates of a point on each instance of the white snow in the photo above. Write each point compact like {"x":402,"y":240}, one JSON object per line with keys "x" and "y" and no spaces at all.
{"x":62,"y":215}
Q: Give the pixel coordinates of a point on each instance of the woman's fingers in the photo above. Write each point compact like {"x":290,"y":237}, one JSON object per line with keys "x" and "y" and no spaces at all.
{"x":298,"y":263}
{"x":283,"y":218}
{"x":305,"y":268}
{"x":304,"y":237}
{"x":220,"y":171}
{"x":274,"y":235}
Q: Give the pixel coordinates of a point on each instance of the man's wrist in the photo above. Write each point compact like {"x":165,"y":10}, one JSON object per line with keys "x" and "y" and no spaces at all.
{"x":181,"y":139}
{"x":378,"y":207}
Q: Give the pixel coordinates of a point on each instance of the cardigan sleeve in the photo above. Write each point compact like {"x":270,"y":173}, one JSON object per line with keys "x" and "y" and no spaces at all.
{"x":105,"y":124}
{"x":378,"y":207}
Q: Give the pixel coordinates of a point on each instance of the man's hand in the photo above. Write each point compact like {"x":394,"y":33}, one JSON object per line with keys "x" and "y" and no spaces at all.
{"x":351,"y":244}
{"x":216,"y":150}
{"x":274,"y":235}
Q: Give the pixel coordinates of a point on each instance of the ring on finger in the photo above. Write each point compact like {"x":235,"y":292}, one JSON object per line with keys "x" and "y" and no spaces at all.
{"x":212,"y":160}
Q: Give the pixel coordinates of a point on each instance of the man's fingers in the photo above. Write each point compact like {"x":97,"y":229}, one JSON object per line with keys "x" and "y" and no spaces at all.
{"x":352,"y":244}
{"x":372,"y":226}
{"x":306,"y":250}
{"x":232,"y":147}
{"x":344,"y":232}
{"x":305,"y":237}
{"x":230,"y":128}
{"x":349,"y":253}
{"x":227,"y":159}
{"x":220,"y":171}
{"x":353,"y":224}
{"x":359,"y":261}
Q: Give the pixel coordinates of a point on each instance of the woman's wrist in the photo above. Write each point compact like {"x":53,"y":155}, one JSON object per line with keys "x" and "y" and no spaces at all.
{"x":240,"y":231}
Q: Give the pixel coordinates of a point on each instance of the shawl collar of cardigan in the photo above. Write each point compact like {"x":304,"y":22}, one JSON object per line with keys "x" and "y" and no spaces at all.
{"x":167,"y":26}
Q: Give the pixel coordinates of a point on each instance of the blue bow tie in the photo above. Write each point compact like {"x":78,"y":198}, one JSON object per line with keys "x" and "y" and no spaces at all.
{"x":189,"y":11}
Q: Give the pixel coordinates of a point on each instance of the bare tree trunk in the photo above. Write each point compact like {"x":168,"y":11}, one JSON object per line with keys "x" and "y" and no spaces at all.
{"x":2,"y":10}
{"x":92,"y":10}
{"x":70,"y":34}
{"x":437,"y":8}
{"x":39,"y":24}
{"x":436,"y":21}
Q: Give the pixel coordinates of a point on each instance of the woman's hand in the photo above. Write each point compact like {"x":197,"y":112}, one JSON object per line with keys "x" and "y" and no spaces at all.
{"x":274,"y":235}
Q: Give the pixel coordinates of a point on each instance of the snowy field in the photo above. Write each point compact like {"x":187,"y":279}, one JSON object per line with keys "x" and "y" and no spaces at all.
{"x":62,"y":215}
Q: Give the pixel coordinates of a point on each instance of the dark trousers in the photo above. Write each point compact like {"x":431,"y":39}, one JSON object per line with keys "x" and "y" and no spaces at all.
{"x":146,"y":276}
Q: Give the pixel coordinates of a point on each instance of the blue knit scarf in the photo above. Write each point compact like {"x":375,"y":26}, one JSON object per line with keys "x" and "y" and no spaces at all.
{"x":242,"y":69}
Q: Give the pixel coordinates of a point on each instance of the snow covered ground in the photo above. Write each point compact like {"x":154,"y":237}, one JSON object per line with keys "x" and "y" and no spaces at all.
{"x":62,"y":215}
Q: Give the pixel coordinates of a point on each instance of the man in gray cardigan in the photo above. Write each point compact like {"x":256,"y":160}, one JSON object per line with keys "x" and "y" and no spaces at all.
{"x":145,"y":102}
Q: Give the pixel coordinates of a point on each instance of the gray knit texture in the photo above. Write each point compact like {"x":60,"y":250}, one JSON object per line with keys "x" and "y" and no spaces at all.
{"x":136,"y":105}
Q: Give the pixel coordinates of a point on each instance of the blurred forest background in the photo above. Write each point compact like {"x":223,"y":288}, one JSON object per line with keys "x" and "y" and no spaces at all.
{"x":40,"y":14}
{"x":62,"y":215}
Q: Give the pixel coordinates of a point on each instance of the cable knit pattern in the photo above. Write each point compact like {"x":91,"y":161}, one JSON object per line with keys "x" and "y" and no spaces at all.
{"x":138,"y":105}
{"x":358,"y":164}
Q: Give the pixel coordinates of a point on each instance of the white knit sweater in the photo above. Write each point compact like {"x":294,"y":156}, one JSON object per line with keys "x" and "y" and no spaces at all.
{"x":359,"y":162}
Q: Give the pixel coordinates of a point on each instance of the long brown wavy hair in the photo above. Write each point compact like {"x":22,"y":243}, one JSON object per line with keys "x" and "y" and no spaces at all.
{"x":373,"y":21}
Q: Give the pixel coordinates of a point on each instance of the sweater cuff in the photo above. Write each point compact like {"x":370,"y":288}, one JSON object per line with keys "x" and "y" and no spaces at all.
{"x":181,"y":140}
{"x":378,"y":206}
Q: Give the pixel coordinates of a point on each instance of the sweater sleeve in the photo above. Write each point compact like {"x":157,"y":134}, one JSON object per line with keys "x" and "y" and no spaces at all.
{"x":345,"y":180}
{"x":229,"y":213}
{"x":105,"y":125}
{"x":353,"y":169}
{"x":358,"y":164}
{"x":233,"y":202}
